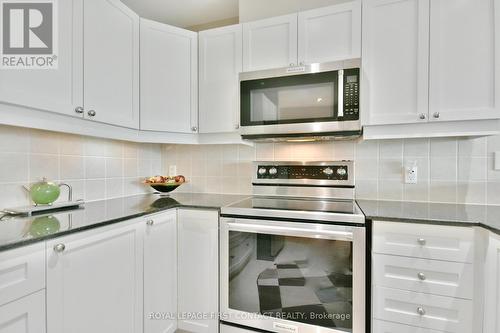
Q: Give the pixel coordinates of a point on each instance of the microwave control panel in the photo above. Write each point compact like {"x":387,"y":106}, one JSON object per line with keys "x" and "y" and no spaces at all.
{"x":351,"y":94}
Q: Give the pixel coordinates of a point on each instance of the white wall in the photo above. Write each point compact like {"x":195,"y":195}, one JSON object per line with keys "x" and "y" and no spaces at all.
{"x":96,"y":168}
{"x":450,"y":170}
{"x":251,"y":10}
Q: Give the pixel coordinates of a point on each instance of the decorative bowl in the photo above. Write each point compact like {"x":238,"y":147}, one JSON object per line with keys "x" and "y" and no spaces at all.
{"x":165,"y":187}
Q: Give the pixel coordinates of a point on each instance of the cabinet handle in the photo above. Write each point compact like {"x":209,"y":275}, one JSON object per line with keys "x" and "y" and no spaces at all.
{"x":421,"y":241}
{"x":150,"y":222}
{"x":59,"y":248}
{"x":194,"y":129}
{"x":236,"y":126}
{"x":422,"y":116}
{"x":91,"y":113}
{"x":421,"y":276}
{"x":421,"y":311}
{"x":436,"y":115}
{"x":79,"y":109}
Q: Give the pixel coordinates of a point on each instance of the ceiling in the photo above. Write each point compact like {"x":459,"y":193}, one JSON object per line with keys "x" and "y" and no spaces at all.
{"x":184,"y":13}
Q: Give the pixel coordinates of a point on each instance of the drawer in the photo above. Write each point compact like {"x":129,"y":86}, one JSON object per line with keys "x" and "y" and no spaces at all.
{"x":424,"y":241}
{"x":24,"y":315}
{"x":380,"y":326}
{"x":429,"y":276}
{"x":439,"y":313}
{"x":22,"y":272}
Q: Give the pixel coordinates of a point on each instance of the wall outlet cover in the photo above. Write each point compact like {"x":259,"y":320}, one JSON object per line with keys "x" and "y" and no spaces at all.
{"x":411,"y":175}
{"x":172,"y":170}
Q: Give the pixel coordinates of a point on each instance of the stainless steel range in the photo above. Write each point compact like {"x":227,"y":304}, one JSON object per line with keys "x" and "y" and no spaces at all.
{"x":293,"y":255}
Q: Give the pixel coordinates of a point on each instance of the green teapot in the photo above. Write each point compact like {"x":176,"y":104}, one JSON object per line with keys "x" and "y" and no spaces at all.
{"x":44,"y":192}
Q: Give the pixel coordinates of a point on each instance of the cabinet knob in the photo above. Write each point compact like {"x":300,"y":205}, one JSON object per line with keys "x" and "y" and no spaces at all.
{"x":91,"y":113}
{"x":422,"y":116}
{"x":421,"y":241}
{"x":421,"y":311}
{"x":292,"y":64}
{"x":194,"y":129}
{"x":59,"y":248}
{"x":79,"y":109}
{"x":421,"y":276}
{"x":302,"y":63}
{"x":436,"y":115}
{"x":150,"y":222}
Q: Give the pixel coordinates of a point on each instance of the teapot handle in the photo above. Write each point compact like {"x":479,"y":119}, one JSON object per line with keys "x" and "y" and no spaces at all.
{"x":70,"y":190}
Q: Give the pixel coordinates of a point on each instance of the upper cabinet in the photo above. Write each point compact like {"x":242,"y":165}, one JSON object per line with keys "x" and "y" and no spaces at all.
{"x":395,"y":61}
{"x":423,"y":65}
{"x":58,"y":90}
{"x":220,"y":62}
{"x":169,"y":71}
{"x":330,"y":33}
{"x":464,"y":72}
{"x":270,"y":43}
{"x":111,"y":56}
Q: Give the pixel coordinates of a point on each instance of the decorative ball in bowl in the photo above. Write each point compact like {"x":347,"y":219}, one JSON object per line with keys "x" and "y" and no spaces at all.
{"x":165,"y":184}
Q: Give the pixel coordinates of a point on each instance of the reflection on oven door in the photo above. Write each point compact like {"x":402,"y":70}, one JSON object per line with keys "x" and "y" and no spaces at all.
{"x":306,"y":280}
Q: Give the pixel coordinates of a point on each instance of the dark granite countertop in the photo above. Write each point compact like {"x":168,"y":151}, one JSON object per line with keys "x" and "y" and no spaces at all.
{"x":486,"y":216}
{"x":20,"y":231}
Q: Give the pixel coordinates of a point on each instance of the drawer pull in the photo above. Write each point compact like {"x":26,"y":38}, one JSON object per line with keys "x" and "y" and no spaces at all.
{"x":150,"y":222}
{"x":422,"y":241}
{"x":421,"y":311}
{"x":421,"y":276}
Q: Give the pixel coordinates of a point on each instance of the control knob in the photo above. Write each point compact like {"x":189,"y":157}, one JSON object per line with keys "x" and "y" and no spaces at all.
{"x":273,"y":171}
{"x":341,"y":172}
{"x":328,"y":171}
{"x":262,"y":171}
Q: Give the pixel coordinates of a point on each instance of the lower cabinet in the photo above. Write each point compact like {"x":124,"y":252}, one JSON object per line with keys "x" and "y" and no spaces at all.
{"x":492,"y":287}
{"x":198,"y":259}
{"x":95,"y":281}
{"x":160,"y":273}
{"x":24,"y":315}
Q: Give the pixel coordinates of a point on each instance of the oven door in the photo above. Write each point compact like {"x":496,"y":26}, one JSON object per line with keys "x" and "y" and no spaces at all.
{"x":292,"y":277}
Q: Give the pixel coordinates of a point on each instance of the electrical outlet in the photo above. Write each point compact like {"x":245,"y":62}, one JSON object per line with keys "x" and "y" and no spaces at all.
{"x":172,"y":170}
{"x":411,"y":175}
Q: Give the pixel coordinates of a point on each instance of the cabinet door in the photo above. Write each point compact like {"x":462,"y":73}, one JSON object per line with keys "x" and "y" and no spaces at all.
{"x":220,"y":64}
{"x":94,"y":281}
{"x":492,"y":288}
{"x":198,"y":290}
{"x":330,"y":33}
{"x":464,"y":60}
{"x":57,"y":90}
{"x":111,"y":63}
{"x":24,"y":315}
{"x":160,"y":273}
{"x":169,"y":74}
{"x":395,"y":61}
{"x":270,"y":43}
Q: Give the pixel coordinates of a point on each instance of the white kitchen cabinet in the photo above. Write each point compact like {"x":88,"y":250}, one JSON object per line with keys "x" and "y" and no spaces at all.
{"x":160,"y":273}
{"x":270,"y":43}
{"x":25,"y":315}
{"x":57,"y":90}
{"x":330,"y":33}
{"x":464,"y":60}
{"x":111,"y":63}
{"x":95,"y":281}
{"x":492,"y":286}
{"x":198,"y":260}
{"x":395,"y":61}
{"x":169,"y":72}
{"x":220,"y":55}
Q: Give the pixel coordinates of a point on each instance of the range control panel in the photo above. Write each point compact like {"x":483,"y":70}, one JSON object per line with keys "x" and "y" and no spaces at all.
{"x":351,"y":94}
{"x":338,"y":172}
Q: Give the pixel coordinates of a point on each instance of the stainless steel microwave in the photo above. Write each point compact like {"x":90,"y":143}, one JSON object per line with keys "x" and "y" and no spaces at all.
{"x":303,"y":103}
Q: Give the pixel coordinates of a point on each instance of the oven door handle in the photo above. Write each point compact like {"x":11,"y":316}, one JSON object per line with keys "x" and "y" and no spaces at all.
{"x":343,"y":235}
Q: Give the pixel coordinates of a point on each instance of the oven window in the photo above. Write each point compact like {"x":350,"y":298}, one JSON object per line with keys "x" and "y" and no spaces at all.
{"x":306,"y":280}
{"x":301,"y":98}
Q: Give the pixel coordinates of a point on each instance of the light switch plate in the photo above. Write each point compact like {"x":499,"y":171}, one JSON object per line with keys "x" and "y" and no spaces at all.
{"x":172,"y":170}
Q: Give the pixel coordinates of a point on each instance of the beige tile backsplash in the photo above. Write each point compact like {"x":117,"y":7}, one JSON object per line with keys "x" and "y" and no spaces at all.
{"x":449,"y":170}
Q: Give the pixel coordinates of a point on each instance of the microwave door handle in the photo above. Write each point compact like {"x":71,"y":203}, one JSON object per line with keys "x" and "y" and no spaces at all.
{"x":340,"y":109}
